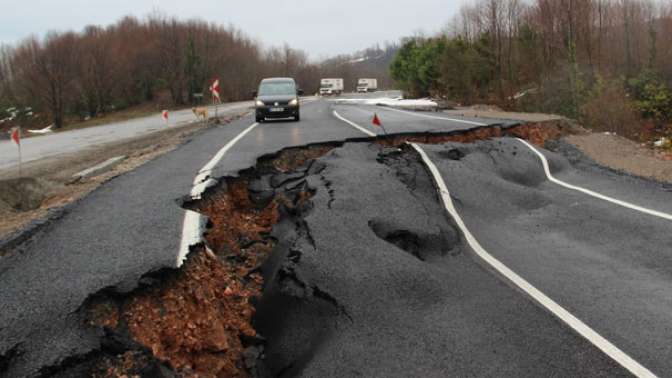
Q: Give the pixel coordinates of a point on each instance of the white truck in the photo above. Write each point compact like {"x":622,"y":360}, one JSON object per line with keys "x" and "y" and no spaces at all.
{"x":330,"y":87}
{"x":367,"y":85}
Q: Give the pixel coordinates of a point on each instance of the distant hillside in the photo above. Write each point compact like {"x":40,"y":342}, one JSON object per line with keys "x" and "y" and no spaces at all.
{"x":373,"y":62}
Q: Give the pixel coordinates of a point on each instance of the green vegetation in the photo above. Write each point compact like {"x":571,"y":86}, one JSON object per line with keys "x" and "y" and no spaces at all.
{"x":598,"y":61}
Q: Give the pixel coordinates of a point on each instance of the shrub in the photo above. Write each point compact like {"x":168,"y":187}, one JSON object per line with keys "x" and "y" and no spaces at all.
{"x":652,"y":97}
{"x":609,"y":108}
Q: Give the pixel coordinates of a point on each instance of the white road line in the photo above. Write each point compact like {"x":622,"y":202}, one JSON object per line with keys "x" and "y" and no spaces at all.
{"x":589,"y":192}
{"x":434,"y":117}
{"x":356,"y":126}
{"x":600,"y":342}
{"x":192,"y":226}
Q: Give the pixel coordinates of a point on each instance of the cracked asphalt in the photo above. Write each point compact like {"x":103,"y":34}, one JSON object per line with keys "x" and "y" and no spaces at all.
{"x":377,"y":280}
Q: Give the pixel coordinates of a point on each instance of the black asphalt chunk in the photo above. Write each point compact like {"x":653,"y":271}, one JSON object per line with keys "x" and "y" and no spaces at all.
{"x":608,"y":265}
{"x":388,"y":312}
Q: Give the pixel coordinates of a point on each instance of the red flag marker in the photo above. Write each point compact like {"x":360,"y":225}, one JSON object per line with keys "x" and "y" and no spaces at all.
{"x":16,"y":136}
{"x":376,"y":120}
{"x":214,"y":88}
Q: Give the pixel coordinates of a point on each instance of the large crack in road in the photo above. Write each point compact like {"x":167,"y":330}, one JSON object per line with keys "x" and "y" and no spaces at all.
{"x":256,"y":298}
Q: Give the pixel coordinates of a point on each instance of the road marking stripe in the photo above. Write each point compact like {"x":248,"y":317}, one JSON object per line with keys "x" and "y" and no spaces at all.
{"x":628,"y":205}
{"x":356,"y":126}
{"x":435,"y":117}
{"x":192,"y":226}
{"x":600,"y":342}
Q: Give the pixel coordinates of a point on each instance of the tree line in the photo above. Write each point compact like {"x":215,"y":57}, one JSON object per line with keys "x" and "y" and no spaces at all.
{"x":607,"y":62}
{"x":103,"y":69}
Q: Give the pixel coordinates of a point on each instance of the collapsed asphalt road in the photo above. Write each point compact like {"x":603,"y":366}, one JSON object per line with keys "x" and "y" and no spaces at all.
{"x":405,"y":295}
{"x":366,"y":267}
{"x":609,"y":265}
{"x":130,"y":226}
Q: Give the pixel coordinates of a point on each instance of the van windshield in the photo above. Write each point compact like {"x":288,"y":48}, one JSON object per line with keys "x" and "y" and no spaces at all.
{"x":277,"y":88}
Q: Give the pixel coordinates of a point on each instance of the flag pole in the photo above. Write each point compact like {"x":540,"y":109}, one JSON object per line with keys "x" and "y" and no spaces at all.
{"x":216,"y":106}
{"x":376,"y":121}
{"x":20,"y":173}
{"x":384,"y":131}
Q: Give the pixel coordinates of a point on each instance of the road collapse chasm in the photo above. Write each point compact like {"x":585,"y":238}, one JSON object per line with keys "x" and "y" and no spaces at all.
{"x":199,"y":320}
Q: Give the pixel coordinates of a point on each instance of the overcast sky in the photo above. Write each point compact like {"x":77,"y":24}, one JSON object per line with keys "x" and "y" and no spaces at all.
{"x":320,"y":27}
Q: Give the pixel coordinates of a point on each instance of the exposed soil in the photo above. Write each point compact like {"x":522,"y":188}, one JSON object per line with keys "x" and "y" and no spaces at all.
{"x":199,"y":320}
{"x":196,"y":321}
{"x":536,"y":133}
{"x":235,"y":219}
{"x":623,"y":154}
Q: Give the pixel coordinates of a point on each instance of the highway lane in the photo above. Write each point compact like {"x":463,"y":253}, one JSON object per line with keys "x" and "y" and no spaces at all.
{"x":401,"y":121}
{"x":60,"y":143}
{"x":126,"y":228}
{"x":405,"y":296}
{"x":606,"y":264}
{"x":132,"y":225}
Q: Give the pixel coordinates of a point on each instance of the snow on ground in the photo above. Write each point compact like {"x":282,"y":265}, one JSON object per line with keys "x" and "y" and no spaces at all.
{"x":391,"y":102}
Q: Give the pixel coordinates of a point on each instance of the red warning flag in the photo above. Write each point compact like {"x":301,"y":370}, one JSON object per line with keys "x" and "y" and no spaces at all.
{"x":376,"y":120}
{"x":164,"y":115}
{"x":16,"y":136}
{"x":214,"y":89}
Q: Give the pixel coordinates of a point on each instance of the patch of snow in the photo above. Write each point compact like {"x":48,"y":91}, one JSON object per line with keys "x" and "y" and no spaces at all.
{"x":662,"y":142}
{"x":357,"y":60}
{"x":46,"y":130}
{"x":397,"y":102}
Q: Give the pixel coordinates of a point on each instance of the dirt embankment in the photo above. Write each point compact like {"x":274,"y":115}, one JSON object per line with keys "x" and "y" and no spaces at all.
{"x":625,"y":155}
{"x":607,"y":149}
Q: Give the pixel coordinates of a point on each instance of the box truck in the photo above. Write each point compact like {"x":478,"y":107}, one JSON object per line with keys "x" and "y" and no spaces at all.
{"x":367,"y":85}
{"x":330,"y":87}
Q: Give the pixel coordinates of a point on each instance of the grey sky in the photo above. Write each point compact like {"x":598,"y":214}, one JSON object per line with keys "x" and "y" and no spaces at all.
{"x":320,"y":27}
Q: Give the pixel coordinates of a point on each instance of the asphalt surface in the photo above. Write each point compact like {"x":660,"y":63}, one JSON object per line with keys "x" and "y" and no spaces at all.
{"x":406,"y":296}
{"x":67,"y":142}
{"x":434,"y":311}
{"x":606,"y":264}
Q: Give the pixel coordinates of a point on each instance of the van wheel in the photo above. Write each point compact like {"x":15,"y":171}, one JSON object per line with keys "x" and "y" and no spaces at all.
{"x":297,"y":117}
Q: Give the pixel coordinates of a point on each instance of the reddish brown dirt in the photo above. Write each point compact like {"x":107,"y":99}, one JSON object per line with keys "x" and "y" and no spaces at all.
{"x":104,"y":313}
{"x":536,"y":133}
{"x":235,"y":218}
{"x":291,"y":159}
{"x":122,"y":366}
{"x":194,"y":322}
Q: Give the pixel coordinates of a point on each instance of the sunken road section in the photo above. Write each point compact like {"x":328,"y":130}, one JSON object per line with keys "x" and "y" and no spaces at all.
{"x":337,"y":249}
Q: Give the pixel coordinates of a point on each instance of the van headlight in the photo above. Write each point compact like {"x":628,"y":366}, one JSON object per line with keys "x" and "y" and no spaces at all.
{"x":294,"y":102}
{"x":259,"y":103}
